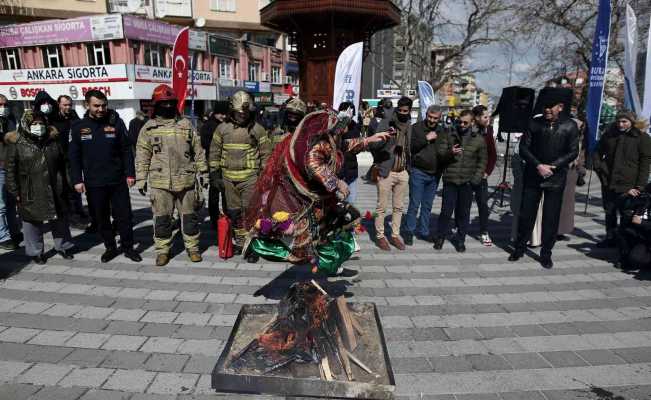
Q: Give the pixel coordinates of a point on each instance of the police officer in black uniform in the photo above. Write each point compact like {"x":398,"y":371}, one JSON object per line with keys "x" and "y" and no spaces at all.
{"x":101,"y":164}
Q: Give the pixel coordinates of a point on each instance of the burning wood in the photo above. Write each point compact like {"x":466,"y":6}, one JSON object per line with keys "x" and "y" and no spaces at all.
{"x":310,"y":327}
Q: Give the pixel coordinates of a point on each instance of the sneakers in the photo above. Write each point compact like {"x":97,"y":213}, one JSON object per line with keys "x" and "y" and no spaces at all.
{"x":409,"y":239}
{"x":347,"y":273}
{"x":357,"y":249}
{"x":383,"y":244}
{"x":397,"y":242}
{"x":162,"y":260}
{"x":486,"y":239}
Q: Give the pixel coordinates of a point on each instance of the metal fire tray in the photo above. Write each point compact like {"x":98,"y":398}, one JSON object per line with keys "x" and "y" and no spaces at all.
{"x":305,"y":379}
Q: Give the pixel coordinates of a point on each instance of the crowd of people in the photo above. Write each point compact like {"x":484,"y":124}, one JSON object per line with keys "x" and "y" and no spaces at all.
{"x":289,"y":190}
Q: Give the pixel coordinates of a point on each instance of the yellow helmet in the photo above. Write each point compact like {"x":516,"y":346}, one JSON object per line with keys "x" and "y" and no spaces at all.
{"x":296,"y":105}
{"x":241,"y":101}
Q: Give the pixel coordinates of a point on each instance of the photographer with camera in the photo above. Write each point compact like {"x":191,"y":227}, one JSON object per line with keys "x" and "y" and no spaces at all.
{"x":634,"y":232}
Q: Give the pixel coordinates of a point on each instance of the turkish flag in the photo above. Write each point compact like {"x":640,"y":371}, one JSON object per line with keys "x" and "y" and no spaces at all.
{"x":180,"y":66}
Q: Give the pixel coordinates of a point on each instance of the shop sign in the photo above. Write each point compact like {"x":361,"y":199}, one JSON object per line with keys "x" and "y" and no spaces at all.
{"x":144,"y":73}
{"x":263,"y":98}
{"x":264,"y":87}
{"x":222,"y":46}
{"x":226,"y":82}
{"x":73,"y":30}
{"x":112,"y":90}
{"x":96,"y":73}
{"x":150,"y":30}
{"x":252,"y":86}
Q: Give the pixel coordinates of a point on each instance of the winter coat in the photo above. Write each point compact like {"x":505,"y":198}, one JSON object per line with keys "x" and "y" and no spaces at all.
{"x":467,"y":167}
{"x":424,"y":153}
{"x":384,"y":153}
{"x":169,"y":155}
{"x":63,"y":124}
{"x":36,"y":175}
{"x":43,"y":97}
{"x":7,"y":124}
{"x":135,"y":125}
{"x":555,"y":144}
{"x":491,"y":150}
{"x":100,"y":152}
{"x":622,"y":160}
{"x":350,"y":170}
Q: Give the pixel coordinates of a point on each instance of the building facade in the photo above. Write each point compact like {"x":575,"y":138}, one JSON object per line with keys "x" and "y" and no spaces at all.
{"x":130,"y":54}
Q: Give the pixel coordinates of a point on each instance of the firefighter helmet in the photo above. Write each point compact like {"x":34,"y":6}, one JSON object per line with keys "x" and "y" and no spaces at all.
{"x":296,"y":105}
{"x":162,"y":93}
{"x":241,"y":101}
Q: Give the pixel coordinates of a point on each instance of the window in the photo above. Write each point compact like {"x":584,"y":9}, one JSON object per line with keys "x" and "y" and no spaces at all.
{"x":153,"y":54}
{"x":225,"y":69}
{"x":52,"y":57}
{"x":254,"y":69}
{"x":223,"y":5}
{"x":275,"y":75}
{"x":10,"y":59}
{"x":98,"y":53}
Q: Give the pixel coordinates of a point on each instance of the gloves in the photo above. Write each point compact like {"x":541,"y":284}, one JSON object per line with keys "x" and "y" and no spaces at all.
{"x":143,"y":190}
{"x":204,"y":181}
{"x":217,"y":181}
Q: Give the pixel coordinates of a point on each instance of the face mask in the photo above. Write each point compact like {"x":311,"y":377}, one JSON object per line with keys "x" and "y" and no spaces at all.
{"x":46,"y":108}
{"x":166,"y":112}
{"x":4,"y":111}
{"x":37,"y":130}
{"x":403,"y":117}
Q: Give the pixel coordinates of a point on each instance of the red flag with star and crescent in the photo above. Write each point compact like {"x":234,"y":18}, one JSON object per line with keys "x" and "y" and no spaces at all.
{"x":180,"y":66}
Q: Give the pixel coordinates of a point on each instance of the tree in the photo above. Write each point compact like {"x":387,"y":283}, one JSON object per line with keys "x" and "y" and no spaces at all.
{"x":472,"y":25}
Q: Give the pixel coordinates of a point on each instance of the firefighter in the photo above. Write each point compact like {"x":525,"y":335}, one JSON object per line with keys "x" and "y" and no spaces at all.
{"x":169,"y":162}
{"x":294,"y":112}
{"x":238,"y":153}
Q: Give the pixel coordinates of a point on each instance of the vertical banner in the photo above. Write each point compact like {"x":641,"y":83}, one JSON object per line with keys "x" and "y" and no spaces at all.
{"x":631,"y":96}
{"x":425,"y":96}
{"x":598,"y":72}
{"x":180,"y":66}
{"x":348,"y":76}
{"x":646,"y":112}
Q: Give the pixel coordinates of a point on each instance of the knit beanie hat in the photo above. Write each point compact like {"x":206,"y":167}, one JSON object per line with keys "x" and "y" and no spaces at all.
{"x":629,"y":115}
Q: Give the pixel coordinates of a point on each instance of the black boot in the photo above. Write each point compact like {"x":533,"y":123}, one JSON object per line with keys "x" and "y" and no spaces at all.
{"x":109,"y":254}
{"x":39,"y":259}
{"x":131,"y":254}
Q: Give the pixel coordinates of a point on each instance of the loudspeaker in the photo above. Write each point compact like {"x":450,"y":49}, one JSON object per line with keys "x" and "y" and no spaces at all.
{"x":515,"y":108}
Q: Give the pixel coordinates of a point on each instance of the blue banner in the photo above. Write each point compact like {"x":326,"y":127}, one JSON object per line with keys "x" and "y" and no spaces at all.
{"x":426,"y":97}
{"x":598,"y":68}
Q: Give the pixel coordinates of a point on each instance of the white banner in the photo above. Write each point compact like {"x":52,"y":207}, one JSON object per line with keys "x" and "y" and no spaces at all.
{"x":348,"y":76}
{"x":426,"y":97}
{"x":631,"y":96}
{"x":646,"y":113}
{"x":83,"y":74}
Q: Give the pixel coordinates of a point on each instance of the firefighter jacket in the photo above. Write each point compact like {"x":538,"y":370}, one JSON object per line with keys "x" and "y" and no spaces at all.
{"x":169,"y":155}
{"x":239,"y":153}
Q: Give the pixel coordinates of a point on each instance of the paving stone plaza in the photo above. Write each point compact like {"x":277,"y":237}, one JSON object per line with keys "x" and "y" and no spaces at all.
{"x":458,"y":326}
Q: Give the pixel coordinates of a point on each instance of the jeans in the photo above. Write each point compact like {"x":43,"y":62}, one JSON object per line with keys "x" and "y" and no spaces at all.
{"x":352,"y":187}
{"x":8,"y":217}
{"x":481,"y":197}
{"x":422,"y":191}
{"x":34,"y":236}
{"x":457,"y":199}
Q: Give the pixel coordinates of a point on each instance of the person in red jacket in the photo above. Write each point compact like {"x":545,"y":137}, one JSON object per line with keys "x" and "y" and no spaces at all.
{"x":483,"y":123}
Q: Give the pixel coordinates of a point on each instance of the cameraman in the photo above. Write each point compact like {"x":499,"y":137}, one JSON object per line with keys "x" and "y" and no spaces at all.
{"x":634,"y":232}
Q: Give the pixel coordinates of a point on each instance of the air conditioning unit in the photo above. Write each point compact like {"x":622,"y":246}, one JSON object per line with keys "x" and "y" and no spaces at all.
{"x":288,"y":80}
{"x":264,"y":77}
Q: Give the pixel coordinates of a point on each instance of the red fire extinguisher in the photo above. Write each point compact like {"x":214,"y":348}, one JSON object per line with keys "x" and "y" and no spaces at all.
{"x":224,"y":237}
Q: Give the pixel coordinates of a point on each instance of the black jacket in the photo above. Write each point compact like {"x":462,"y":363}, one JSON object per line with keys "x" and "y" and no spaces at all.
{"x":622,"y":160}
{"x":350,"y":170}
{"x":424,"y":152}
{"x":555,"y":144}
{"x":36,"y":174}
{"x":135,"y":125}
{"x":43,"y":97}
{"x":206,"y":132}
{"x":63,"y":124}
{"x":100,"y":152}
{"x":7,"y":124}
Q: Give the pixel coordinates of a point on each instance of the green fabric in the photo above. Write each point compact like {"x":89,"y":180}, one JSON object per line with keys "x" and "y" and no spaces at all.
{"x":268,"y":249}
{"x":335,"y":252}
{"x":331,"y":255}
